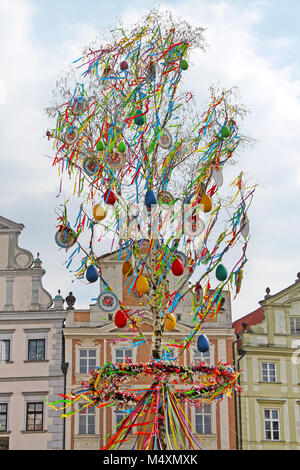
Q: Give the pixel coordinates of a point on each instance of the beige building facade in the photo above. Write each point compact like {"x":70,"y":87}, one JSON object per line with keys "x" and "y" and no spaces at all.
{"x":89,"y":342}
{"x":269,"y":357}
{"x":31,"y":341}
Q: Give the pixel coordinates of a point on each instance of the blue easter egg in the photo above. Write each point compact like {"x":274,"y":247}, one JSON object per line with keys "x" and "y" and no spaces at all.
{"x":91,"y":273}
{"x":203,"y":343}
{"x":150,"y":199}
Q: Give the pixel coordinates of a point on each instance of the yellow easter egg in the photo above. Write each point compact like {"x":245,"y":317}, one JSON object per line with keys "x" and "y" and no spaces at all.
{"x":206,"y":203}
{"x":99,"y":212}
{"x":142,"y":285}
{"x":170,"y":322}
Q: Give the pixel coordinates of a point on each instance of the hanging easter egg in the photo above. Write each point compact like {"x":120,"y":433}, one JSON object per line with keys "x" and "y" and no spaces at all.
{"x":169,"y":322}
{"x":80,"y":105}
{"x":65,"y":237}
{"x":150,"y":198}
{"x":165,"y":199}
{"x":198,"y":293}
{"x":182,"y":257}
{"x":121,"y":147}
{"x":90,"y":165}
{"x":124,"y":65}
{"x":193,"y":226}
{"x":225,"y":132}
{"x":91,"y":273}
{"x":100,"y":146}
{"x":218,"y":176}
{"x":71,"y":135}
{"x":202,"y":343}
{"x":165,"y":139}
{"x":127,"y":269}
{"x":245,"y":226}
{"x":120,"y":319}
{"x":116,"y":160}
{"x":206,"y":203}
{"x":99,"y":212}
{"x":139,"y":120}
{"x":110,"y":197}
{"x":142,"y":285}
{"x":177,"y":267}
{"x":221,"y":272}
{"x":239,"y":279}
{"x":184,"y":65}
{"x":107,"y":301}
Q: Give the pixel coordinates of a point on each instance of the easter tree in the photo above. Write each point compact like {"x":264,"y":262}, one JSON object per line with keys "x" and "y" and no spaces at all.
{"x":147,"y":173}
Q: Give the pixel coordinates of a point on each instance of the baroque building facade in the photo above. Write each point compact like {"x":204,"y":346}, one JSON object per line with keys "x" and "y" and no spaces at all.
{"x":268,"y":354}
{"x":90,"y":340}
{"x":31,"y":325}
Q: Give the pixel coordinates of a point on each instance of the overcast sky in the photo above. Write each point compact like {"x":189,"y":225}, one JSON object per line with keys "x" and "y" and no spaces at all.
{"x":252,"y":45}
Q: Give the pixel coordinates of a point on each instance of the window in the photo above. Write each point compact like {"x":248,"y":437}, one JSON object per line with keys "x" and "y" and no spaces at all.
{"x":201,"y":356}
{"x":295,"y":326}
{"x":4,"y":350}
{"x":168,"y":355}
{"x":271,"y":419}
{"x":3,"y":417}
{"x":123,"y":355}
{"x":119,"y":418}
{"x":87,"y":360}
{"x":268,"y":372}
{"x":87,"y":421}
{"x":203,"y":419}
{"x":34,"y":416}
{"x":36,"y":350}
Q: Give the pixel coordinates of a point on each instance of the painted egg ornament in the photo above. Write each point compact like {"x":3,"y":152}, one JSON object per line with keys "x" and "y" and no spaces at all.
{"x":71,"y":135}
{"x":177,"y":267}
{"x":206,"y":203}
{"x":245,"y":227}
{"x":184,"y":65}
{"x":116,"y":160}
{"x":110,"y":197}
{"x":127,"y":269}
{"x":124,"y":65}
{"x":80,"y":105}
{"x":99,"y":212}
{"x":165,"y":139}
{"x":142,"y":285}
{"x":65,"y":237}
{"x":170,"y":322}
{"x":121,"y":147}
{"x":91,"y":273}
{"x":100,"y":146}
{"x":221,"y":272}
{"x":139,"y":120}
{"x":120,"y":319}
{"x":150,"y":199}
{"x":203,"y":343}
{"x":218,"y":177}
{"x":225,"y":132}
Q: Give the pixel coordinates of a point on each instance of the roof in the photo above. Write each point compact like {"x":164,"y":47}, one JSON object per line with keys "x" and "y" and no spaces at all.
{"x":251,"y":319}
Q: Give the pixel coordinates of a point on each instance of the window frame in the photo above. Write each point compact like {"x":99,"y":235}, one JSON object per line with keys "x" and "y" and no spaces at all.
{"x":29,"y":340}
{"x":201,"y":356}
{"x":295,"y":331}
{"x":6,"y":417}
{"x":268,"y":375}
{"x":34,"y":413}
{"x":272,"y":420}
{"x":5,"y":340}
{"x":124,"y":355}
{"x":88,"y":359}
{"x":84,"y":416}
{"x":203,"y":413}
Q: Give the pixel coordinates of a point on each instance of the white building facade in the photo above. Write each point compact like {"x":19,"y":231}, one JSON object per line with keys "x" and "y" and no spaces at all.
{"x":31,"y":324}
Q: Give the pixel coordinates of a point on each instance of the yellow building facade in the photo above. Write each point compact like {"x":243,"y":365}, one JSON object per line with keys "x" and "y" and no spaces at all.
{"x":268,"y":355}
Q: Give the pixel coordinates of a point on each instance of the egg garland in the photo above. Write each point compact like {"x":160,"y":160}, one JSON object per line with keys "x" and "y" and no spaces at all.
{"x":91,"y":273}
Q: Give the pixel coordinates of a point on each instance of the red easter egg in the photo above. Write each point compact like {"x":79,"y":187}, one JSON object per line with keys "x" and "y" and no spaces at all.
{"x":177,"y":267}
{"x":110,"y":197}
{"x":120,"y":319}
